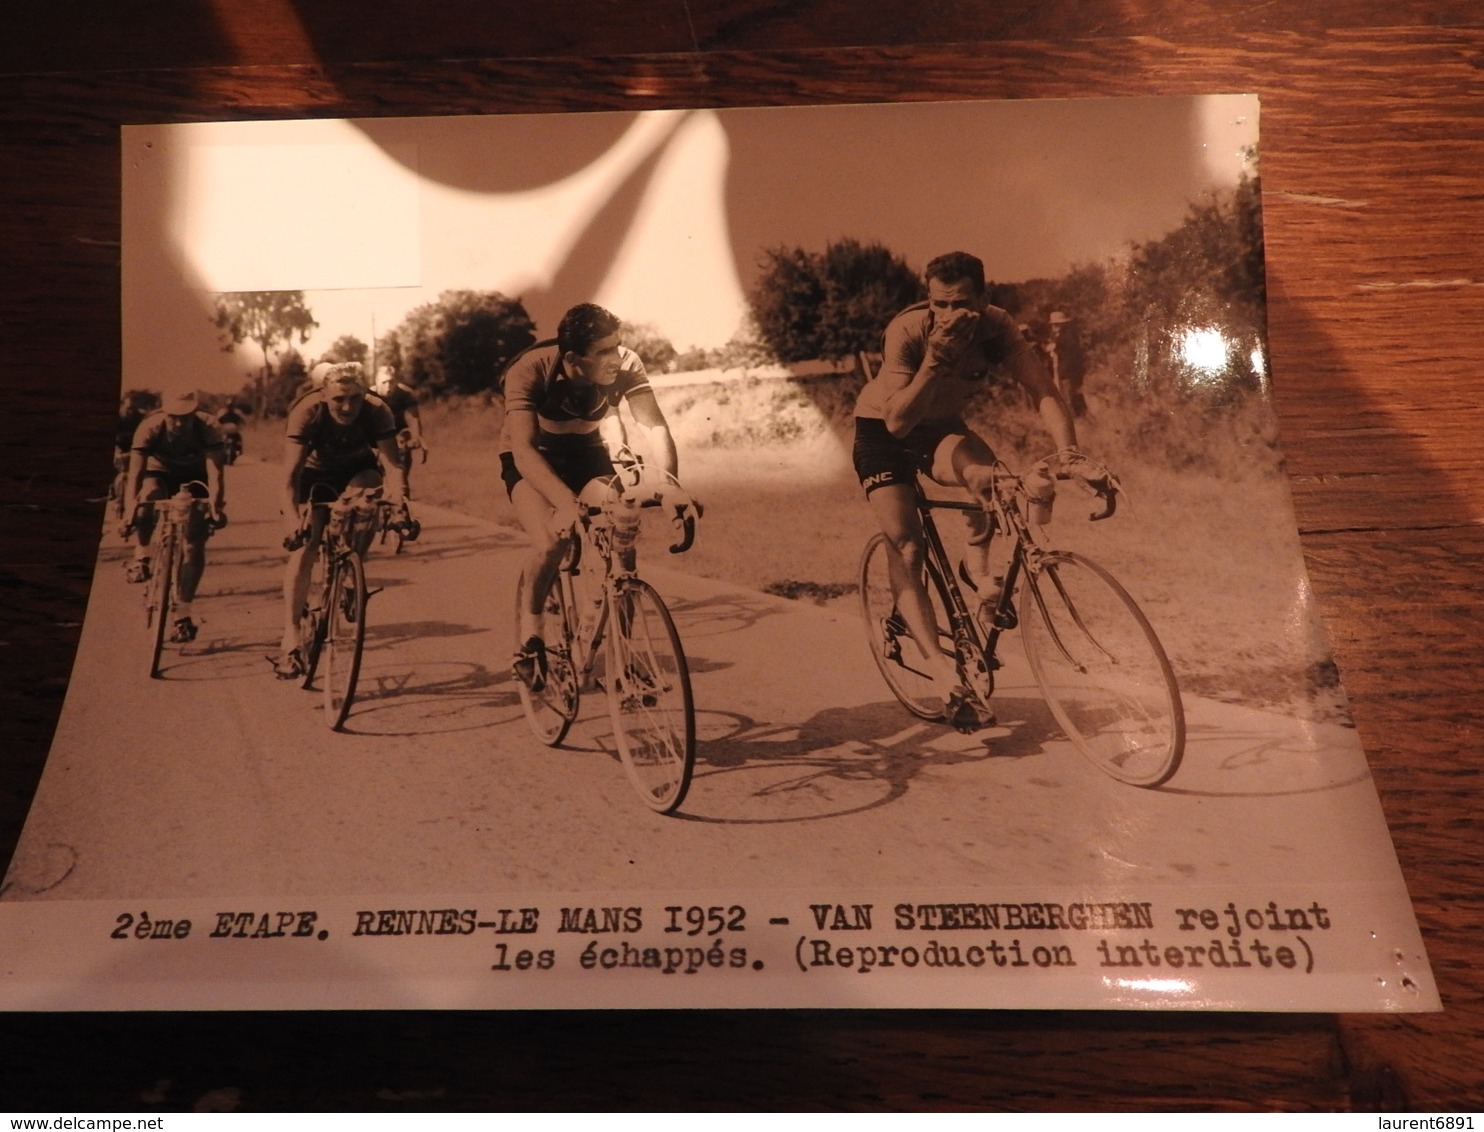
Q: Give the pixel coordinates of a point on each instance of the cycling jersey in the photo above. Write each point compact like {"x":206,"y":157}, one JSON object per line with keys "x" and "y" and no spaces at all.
{"x":567,"y":411}
{"x":997,"y":343}
{"x":176,"y":451}
{"x":335,"y":447}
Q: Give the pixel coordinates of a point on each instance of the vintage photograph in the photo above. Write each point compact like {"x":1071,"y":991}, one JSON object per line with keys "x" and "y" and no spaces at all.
{"x":809,"y":556}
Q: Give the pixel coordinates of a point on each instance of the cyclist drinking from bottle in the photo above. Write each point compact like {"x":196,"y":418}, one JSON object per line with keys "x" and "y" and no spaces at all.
{"x":341,"y":439}
{"x":561,"y":415}
{"x":176,"y":446}
{"x":909,"y":418}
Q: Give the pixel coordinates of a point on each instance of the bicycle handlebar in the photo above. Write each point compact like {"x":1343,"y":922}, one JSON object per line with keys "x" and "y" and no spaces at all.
{"x":366,"y":501}
{"x":183,"y":495}
{"x":628,"y":486}
{"x":1107,"y":492}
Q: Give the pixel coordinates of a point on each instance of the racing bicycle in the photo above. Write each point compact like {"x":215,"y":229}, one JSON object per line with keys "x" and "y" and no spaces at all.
{"x":173,"y":518}
{"x":1093,"y":653}
{"x":332,"y":625}
{"x":644,"y":670}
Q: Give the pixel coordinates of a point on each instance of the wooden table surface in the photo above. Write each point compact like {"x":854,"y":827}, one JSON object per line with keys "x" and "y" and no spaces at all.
{"x":1373,"y":196}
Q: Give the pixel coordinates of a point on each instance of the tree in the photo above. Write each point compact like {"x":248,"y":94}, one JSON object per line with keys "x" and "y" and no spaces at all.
{"x":347,"y":348}
{"x":288,"y":382}
{"x":654,"y":349}
{"x":459,"y":344}
{"x":829,"y":304}
{"x":1204,"y":277}
{"x":268,"y":319}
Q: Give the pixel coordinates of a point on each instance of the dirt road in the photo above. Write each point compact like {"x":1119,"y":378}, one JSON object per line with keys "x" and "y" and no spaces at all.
{"x":217,"y":778}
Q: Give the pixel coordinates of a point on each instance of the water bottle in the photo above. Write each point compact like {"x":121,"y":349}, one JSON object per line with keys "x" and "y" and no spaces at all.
{"x":626,"y":531}
{"x":1040,"y":493}
{"x":180,"y":506}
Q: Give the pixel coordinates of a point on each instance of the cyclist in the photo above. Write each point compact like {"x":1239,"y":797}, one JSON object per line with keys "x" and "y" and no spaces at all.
{"x":176,"y":446}
{"x":936,"y":356}
{"x":229,"y":420}
{"x":561,"y":417}
{"x":133,"y":408}
{"x":336,"y":433}
{"x":408,"y":417}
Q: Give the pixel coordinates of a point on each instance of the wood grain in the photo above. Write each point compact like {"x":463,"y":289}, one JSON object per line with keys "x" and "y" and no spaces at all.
{"x":1372,"y":147}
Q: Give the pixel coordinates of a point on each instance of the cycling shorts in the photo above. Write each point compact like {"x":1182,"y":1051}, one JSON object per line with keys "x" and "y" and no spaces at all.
{"x":882,"y":459}
{"x":325,"y":484}
{"x":575,"y":467}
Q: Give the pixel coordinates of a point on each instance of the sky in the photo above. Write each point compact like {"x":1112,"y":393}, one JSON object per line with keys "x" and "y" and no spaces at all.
{"x":662,"y":216}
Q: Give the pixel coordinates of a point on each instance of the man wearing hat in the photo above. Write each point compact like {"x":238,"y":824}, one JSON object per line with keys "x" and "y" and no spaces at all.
{"x":177,"y":446}
{"x":340,"y":439}
{"x":1062,"y":352}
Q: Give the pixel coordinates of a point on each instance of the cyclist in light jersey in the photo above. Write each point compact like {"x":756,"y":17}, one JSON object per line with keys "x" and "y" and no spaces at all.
{"x":561,"y":415}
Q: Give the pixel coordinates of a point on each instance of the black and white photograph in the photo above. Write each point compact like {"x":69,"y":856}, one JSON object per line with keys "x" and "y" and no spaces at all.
{"x":822,"y":556}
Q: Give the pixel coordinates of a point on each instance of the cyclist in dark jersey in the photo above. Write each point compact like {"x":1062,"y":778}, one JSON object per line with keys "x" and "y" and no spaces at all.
{"x":561,"y":416}
{"x":335,"y":435}
{"x":408,"y":418}
{"x":936,"y":357}
{"x":171,"y":448}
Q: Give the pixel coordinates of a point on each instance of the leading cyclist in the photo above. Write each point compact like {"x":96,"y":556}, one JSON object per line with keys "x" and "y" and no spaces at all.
{"x":172,"y":448}
{"x":936,"y":356}
{"x":561,"y":416}
{"x":335,"y":435}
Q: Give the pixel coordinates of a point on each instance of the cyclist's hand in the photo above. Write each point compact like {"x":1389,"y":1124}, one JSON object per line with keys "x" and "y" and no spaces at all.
{"x":951,"y":335}
{"x":1092,"y":474}
{"x":295,"y":533}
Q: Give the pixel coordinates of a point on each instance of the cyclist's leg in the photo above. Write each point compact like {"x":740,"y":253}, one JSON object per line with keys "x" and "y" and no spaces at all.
{"x":151,"y":491}
{"x":404,"y":461}
{"x":895,"y":509}
{"x":538,"y":573}
{"x":964,"y":459}
{"x":296,"y":572}
{"x":192,"y":566}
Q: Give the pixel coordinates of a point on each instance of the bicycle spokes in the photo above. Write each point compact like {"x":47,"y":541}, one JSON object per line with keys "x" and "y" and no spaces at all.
{"x":649,"y":697}
{"x":1102,"y":670}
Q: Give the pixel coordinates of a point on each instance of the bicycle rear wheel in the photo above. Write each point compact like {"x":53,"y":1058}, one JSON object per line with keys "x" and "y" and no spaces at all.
{"x":893,"y":648}
{"x":158,"y":597}
{"x":1102,"y":670}
{"x":345,"y":636}
{"x":551,"y":711}
{"x":649,"y":697}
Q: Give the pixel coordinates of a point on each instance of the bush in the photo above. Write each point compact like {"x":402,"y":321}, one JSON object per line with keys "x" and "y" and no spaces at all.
{"x":832,"y":304}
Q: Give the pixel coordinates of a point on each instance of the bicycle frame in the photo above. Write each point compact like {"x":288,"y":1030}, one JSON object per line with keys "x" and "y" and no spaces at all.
{"x":976,"y":652}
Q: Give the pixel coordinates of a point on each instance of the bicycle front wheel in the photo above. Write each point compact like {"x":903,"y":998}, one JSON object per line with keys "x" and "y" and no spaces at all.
{"x":649,"y":697}
{"x":551,"y":711}
{"x":314,"y":619}
{"x":345,"y":636}
{"x":892,"y":645}
{"x":1102,"y":669}
{"x":158,"y":597}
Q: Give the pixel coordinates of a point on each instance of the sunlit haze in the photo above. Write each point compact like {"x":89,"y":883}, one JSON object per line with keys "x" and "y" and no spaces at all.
{"x":662,"y":216}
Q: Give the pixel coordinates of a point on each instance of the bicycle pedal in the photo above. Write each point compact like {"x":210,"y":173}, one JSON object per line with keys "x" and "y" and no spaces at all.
{"x":964,"y":715}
